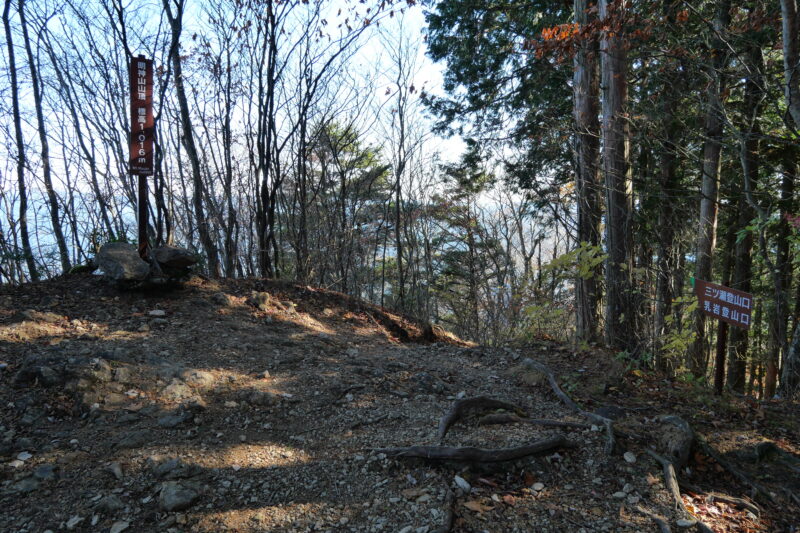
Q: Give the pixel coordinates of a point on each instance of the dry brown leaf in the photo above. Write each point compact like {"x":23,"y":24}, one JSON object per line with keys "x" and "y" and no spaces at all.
{"x":477,"y":506}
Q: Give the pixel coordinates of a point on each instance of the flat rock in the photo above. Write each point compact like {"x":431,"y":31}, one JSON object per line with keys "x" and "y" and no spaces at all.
{"x":174,"y":257}
{"x":121,"y":262}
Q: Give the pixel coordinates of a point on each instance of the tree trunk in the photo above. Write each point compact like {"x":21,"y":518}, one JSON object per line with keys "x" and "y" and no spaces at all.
{"x":790,"y":21}
{"x":722,"y":327}
{"x":620,"y":311}
{"x":709,"y":189}
{"x":790,"y":374}
{"x":176,"y":25}
{"x":52,"y":199}
{"x":669,"y":182}
{"x":27,"y":251}
{"x":742,"y":270}
{"x":585,"y":89}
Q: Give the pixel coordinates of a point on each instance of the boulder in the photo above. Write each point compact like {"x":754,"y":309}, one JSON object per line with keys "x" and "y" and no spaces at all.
{"x":120,"y":261}
{"x":173,"y":257}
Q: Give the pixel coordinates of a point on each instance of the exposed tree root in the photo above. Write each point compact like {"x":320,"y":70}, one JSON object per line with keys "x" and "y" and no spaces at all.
{"x":461,"y":407}
{"x":564,"y":397}
{"x":362,"y":423}
{"x":758,"y":490}
{"x":478,"y":455}
{"x":449,"y":517}
{"x":711,"y":497}
{"x":663,"y":526}
{"x":504,"y":418}
{"x":671,"y":480}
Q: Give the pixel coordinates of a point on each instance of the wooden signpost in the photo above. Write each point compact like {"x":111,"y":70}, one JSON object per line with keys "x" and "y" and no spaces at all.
{"x":729,"y":305}
{"x":141,"y":138}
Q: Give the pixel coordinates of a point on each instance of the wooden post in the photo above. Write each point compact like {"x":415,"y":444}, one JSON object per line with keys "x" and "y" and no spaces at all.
{"x":141,"y":140}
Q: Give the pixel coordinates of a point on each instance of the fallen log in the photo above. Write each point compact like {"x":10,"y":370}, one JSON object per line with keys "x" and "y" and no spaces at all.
{"x":477,"y":455}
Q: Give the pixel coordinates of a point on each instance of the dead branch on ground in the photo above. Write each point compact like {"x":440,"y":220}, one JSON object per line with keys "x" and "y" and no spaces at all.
{"x":478,"y":455}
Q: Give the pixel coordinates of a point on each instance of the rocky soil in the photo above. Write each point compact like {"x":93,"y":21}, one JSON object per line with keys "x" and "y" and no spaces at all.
{"x":261,"y":406}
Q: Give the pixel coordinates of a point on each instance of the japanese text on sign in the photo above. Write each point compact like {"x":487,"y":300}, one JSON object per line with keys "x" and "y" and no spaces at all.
{"x":729,"y":305}
{"x":142,"y":125}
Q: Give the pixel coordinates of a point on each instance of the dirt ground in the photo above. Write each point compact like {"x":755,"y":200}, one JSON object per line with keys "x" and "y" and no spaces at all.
{"x":259,"y":406}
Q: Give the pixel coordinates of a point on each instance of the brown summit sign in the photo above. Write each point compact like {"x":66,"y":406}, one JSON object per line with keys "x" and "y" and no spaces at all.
{"x":729,"y":305}
{"x":142,"y":124}
{"x":142,"y":139}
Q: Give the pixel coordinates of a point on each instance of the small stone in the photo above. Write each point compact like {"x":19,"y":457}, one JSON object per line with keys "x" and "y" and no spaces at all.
{"x":24,"y":486}
{"x":73,"y":522}
{"x":199,"y":378}
{"x":16,"y":463}
{"x":220,"y":298}
{"x":24,"y":456}
{"x":628,"y":488}
{"x":406,"y":529}
{"x":174,"y":420}
{"x":134,"y":439}
{"x":157,"y":313}
{"x":619,"y":495}
{"x":685,"y":523}
{"x":462,"y":483}
{"x":538,"y":487}
{"x":633,"y":499}
{"x":231,"y":403}
{"x":110,"y":505}
{"x":175,"y":496}
{"x":45,"y":472}
{"x":119,"y":527}
{"x":629,"y":457}
{"x":116,"y":470}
